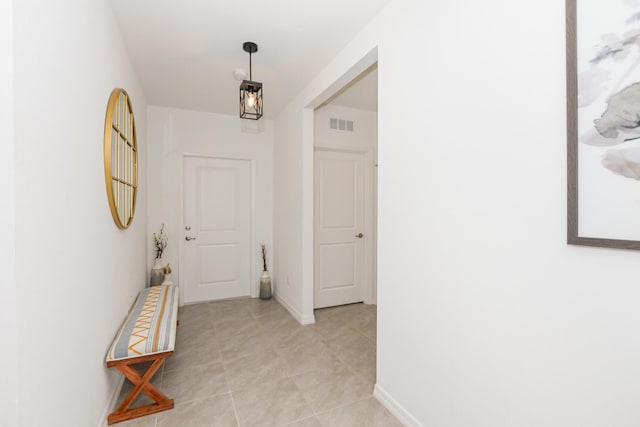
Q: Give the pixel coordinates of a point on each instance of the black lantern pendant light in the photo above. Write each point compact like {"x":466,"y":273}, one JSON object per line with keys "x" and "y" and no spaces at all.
{"x":250,"y":91}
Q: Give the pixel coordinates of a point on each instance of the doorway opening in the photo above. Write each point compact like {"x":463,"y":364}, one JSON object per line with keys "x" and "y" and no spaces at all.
{"x":345,"y":194}
{"x":345,"y":153}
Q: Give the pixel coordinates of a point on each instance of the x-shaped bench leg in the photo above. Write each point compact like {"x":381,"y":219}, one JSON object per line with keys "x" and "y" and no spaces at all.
{"x":142,"y":383}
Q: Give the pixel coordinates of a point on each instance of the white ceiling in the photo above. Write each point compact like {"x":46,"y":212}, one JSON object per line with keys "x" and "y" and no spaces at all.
{"x":362,"y":93}
{"x":185,"y":51}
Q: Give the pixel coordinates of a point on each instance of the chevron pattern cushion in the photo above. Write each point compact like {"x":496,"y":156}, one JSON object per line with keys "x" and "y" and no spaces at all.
{"x":150,"y":326}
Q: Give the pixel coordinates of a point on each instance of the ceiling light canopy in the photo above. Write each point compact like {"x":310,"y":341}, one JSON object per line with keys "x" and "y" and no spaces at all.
{"x":250,"y":91}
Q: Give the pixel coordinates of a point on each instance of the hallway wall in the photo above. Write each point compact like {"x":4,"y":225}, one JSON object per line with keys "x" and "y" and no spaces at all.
{"x":8,"y":310}
{"x":364,"y":135}
{"x":174,"y":133}
{"x":287,"y":225}
{"x":486,"y":317}
{"x":77,"y":273}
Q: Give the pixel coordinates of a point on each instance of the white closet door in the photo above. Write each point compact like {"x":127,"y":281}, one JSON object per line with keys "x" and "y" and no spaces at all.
{"x":339,"y":228}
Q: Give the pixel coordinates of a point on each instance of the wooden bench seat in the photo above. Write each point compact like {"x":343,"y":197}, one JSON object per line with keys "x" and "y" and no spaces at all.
{"x":147,"y":334}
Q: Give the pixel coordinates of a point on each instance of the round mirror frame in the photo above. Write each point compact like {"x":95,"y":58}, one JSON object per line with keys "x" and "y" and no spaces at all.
{"x":121,"y":158}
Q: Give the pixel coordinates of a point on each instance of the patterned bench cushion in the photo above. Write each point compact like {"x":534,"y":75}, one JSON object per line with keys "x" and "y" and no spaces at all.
{"x":150,"y":326}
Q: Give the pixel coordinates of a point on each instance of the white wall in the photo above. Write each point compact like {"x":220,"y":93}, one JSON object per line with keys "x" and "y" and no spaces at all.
{"x":485,"y":316}
{"x":8,"y":311}
{"x":363,"y":137}
{"x":174,"y":133}
{"x":77,"y":273}
{"x":287,"y":228}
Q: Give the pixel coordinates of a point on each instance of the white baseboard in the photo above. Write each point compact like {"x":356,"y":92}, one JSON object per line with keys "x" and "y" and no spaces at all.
{"x":395,"y":408}
{"x":303,"y":320}
{"x":113,"y":399}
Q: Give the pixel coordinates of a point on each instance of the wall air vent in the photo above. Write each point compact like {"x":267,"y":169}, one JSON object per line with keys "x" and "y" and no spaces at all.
{"x":341,"y":124}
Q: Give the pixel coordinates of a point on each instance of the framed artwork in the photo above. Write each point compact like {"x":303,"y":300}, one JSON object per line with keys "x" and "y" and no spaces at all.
{"x":603,"y":123}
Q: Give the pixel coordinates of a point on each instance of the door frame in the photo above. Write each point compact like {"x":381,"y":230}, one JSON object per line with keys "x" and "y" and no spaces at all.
{"x":370,"y":282}
{"x":253,"y":276}
{"x":343,"y":73}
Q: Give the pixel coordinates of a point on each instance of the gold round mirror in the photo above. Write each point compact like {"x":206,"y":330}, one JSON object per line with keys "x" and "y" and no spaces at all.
{"x":121,"y":158}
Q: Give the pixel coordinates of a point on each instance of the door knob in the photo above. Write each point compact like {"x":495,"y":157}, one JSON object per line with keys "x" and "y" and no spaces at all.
{"x":359,"y":235}
{"x":189,"y":238}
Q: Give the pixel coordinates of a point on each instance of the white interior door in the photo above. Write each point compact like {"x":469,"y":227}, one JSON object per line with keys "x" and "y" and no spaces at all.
{"x":217,"y":221}
{"x":339,"y":251}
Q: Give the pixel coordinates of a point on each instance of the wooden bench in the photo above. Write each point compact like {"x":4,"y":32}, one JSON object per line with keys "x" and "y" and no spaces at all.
{"x":147,"y":334}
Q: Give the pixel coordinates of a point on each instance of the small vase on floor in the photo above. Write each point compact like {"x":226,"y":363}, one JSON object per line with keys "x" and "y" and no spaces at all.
{"x":265,"y":286}
{"x":157,"y":273}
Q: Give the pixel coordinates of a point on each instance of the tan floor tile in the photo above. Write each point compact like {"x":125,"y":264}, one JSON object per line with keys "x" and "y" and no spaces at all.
{"x":194,"y":332}
{"x":307,"y":422}
{"x":189,"y":335}
{"x":200,"y":314}
{"x":365,"y":324}
{"x":231,"y":308}
{"x":267,"y":308}
{"x":342,"y":313}
{"x":246,"y":327}
{"x":235,"y":347}
{"x":371,"y":334}
{"x":365,"y":413}
{"x":331,"y":327}
{"x":146,"y":421}
{"x":251,"y":355}
{"x":329,"y":389}
{"x":194,"y":353}
{"x":199,"y":382}
{"x":309,"y":357}
{"x":271,"y":403}
{"x":270,"y":324}
{"x":293,"y":334}
{"x":255,"y":369}
{"x":212,"y":412}
{"x":365,"y":368}
{"x":351,"y":346}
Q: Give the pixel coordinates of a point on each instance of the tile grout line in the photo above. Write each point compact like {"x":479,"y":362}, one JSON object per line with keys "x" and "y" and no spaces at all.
{"x":235,"y":410}
{"x":200,"y":399}
{"x":226,"y":378}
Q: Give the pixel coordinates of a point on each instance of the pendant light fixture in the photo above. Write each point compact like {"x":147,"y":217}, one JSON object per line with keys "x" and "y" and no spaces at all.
{"x":250,"y":91}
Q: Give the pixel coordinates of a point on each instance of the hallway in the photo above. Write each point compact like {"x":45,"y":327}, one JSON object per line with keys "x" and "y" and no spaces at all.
{"x":249,"y":363}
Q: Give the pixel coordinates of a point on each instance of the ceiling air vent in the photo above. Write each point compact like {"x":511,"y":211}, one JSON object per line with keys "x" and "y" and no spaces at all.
{"x":341,"y":124}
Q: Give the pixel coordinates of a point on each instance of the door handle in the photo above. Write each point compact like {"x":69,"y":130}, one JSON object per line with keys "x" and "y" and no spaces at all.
{"x":359,"y":235}
{"x":189,"y":238}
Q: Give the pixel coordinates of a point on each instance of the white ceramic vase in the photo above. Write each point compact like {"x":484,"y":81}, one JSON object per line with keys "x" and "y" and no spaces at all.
{"x":265,"y":285}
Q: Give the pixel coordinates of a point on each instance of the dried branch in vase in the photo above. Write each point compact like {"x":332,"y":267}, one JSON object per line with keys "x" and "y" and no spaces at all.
{"x":264,"y":257}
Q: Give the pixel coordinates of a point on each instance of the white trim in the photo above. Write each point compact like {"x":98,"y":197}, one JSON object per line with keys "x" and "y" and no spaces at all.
{"x":111,"y":403}
{"x":308,"y":196}
{"x":395,"y":408}
{"x":9,"y":391}
{"x":303,"y":320}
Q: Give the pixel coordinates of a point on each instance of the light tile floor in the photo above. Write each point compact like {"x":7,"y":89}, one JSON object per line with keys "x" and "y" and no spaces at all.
{"x":248,"y":363}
